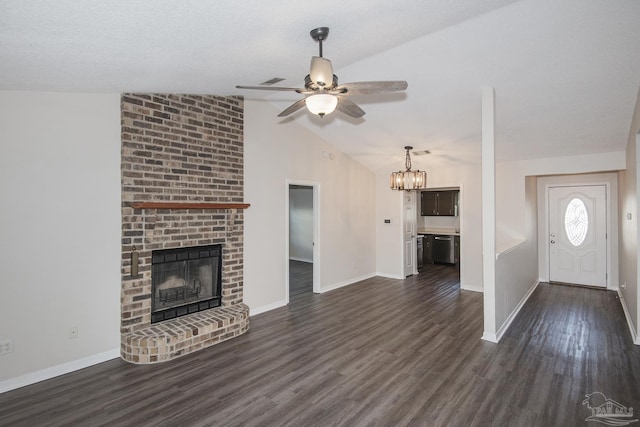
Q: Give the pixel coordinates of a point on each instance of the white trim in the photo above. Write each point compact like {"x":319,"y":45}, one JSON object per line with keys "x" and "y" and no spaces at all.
{"x":609,"y":180}
{"x":608,"y":200}
{"x":55,"y":371}
{"x":316,"y":238}
{"x":265,"y":308}
{"x":488,"y":165}
{"x":293,"y":258}
{"x":491,"y":337}
{"x":514,"y":313}
{"x":390,"y":276}
{"x":634,"y":335}
{"x":510,"y":246}
{"x":347,"y":282}
{"x":471,"y":288}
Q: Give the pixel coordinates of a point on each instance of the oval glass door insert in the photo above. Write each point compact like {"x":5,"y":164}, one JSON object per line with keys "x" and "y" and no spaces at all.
{"x":576,"y":221}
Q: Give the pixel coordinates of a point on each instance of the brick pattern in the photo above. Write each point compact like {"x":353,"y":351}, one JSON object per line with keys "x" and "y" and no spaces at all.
{"x":179,"y":148}
{"x":168,"y":340}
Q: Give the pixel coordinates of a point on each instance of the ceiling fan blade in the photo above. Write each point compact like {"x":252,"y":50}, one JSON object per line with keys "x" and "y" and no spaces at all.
{"x":293,"y":108}
{"x":369,"y":88}
{"x":349,"y":108}
{"x":278,"y":88}
{"x":321,"y":72}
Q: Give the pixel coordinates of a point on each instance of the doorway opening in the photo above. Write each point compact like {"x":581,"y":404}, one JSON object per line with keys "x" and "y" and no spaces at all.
{"x":302,"y":264}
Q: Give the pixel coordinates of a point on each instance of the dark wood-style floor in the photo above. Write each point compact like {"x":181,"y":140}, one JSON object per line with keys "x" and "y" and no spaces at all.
{"x":300,"y":277}
{"x":380,"y":352}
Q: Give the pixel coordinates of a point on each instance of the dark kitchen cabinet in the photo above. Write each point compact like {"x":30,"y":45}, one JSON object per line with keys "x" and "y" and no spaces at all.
{"x":439,"y":203}
{"x":427,"y":248}
{"x":456,"y":252}
{"x":429,"y":203}
{"x":448,"y":203}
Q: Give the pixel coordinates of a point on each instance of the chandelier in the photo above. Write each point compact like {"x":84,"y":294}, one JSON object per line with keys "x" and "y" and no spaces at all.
{"x":408,"y":179}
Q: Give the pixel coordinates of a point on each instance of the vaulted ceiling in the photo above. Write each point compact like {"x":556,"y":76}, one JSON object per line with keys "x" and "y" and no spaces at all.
{"x":566,"y":72}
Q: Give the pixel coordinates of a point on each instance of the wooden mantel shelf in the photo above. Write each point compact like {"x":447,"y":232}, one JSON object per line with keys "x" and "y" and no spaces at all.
{"x":188,"y":205}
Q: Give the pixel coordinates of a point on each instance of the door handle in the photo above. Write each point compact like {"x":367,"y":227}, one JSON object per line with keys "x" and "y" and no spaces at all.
{"x":553,"y":241}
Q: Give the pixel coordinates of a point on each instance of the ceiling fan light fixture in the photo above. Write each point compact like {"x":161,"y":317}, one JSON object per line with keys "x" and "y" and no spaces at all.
{"x":408,"y":179}
{"x":321,"y":104}
{"x":322,"y":92}
{"x":321,"y":72}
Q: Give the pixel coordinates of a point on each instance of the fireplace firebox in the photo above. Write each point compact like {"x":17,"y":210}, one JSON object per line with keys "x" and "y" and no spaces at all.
{"x":185,"y":281}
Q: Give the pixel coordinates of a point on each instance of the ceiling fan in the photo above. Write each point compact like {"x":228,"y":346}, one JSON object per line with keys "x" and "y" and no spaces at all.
{"x":322,"y":92}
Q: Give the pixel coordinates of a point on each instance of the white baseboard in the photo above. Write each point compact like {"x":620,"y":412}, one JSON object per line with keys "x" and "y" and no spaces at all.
{"x":634,"y":335}
{"x":55,"y":371}
{"x":265,"y":308}
{"x":515,"y":312}
{"x":490,"y":337}
{"x":390,"y":276}
{"x":471,"y":288}
{"x":282,"y":303}
{"x":346,"y":282}
{"x":293,"y":258}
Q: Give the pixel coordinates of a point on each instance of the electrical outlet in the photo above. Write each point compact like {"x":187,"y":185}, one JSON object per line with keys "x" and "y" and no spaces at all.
{"x":6,"y":347}
{"x":73,"y":332}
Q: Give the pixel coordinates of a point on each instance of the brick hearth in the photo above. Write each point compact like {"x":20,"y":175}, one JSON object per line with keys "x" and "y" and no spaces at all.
{"x":184,"y":149}
{"x":184,"y":335}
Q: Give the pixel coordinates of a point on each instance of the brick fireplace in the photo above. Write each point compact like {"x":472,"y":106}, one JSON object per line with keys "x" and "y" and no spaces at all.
{"x":182,"y":187}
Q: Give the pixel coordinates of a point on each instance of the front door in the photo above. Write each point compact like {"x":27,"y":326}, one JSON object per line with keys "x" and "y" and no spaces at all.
{"x":578,"y":235}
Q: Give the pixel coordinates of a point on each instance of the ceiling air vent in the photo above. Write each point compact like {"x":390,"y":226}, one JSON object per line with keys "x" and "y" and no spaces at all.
{"x":421,"y":153}
{"x":272,"y":81}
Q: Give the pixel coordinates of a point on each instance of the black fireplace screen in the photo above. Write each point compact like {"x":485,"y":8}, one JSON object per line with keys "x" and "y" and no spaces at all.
{"x":185,"y":281}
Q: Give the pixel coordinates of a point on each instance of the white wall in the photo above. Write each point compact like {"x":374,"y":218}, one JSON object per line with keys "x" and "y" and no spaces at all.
{"x":516,"y":268}
{"x":301,"y":223}
{"x":585,"y":163}
{"x":277,"y":150}
{"x":438,"y":222}
{"x":510,"y":204}
{"x":629,"y":256}
{"x":60,"y":228}
{"x":389,"y":244}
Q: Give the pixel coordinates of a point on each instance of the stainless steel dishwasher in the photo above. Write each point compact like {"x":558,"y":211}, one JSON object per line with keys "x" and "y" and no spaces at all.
{"x":444,"y":249}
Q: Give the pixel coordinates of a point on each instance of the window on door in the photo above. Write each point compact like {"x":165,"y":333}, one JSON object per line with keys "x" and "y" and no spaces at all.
{"x":576,"y":221}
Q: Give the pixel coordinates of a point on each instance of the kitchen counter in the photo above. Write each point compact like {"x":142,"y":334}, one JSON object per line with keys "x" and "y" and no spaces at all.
{"x":442,"y":231}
